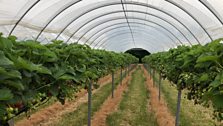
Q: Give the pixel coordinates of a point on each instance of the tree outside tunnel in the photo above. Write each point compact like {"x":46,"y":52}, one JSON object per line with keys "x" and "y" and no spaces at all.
{"x":138,"y":52}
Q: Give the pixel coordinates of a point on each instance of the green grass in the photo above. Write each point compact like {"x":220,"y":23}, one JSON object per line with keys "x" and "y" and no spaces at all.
{"x":79,"y":116}
{"x":190,"y":114}
{"x":133,"y":107}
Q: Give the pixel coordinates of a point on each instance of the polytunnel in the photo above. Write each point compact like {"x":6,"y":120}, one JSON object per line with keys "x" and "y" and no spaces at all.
{"x":111,"y":62}
{"x":117,"y":25}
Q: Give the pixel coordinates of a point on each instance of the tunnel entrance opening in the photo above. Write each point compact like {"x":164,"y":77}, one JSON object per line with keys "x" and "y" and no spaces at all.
{"x":138,"y":52}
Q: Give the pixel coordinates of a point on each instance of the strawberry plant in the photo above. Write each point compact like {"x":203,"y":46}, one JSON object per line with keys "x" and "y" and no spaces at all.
{"x":197,"y":68}
{"x":31,"y":73}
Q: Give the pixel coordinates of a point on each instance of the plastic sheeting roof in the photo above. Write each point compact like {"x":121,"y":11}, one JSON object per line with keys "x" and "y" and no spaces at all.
{"x":117,"y":25}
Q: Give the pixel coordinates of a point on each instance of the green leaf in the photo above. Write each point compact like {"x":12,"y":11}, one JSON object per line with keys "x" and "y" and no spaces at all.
{"x":58,"y":72}
{"x":33,"y":44}
{"x":51,"y":56}
{"x":81,"y":69}
{"x":12,"y":38}
{"x":68,"y":77}
{"x":203,"y":65}
{"x":5,"y":94}
{"x":215,"y":84}
{"x":207,"y":58}
{"x":204,"y":77}
{"x":11,"y":74}
{"x":5,"y":43}
{"x":2,"y":111}
{"x":217,"y":101}
{"x":57,"y":41}
{"x":218,"y":80}
{"x":24,"y":64}
{"x":16,"y":84}
{"x":65,"y":77}
{"x":4,"y":61}
{"x":42,"y":69}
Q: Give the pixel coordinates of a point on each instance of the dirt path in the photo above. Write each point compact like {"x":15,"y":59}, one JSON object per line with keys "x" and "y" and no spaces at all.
{"x":111,"y":104}
{"x":163,"y":115}
{"x":51,"y":114}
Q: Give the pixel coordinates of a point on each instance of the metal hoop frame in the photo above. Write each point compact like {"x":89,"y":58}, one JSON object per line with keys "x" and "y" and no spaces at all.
{"x":118,"y":26}
{"x":127,"y":2}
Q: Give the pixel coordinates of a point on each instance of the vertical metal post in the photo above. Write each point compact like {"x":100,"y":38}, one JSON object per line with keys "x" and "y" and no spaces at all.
{"x":153,"y":77}
{"x":159,"y":85}
{"x":113,"y":81}
{"x":128,"y":69}
{"x":121,"y":76}
{"x":178,"y":108}
{"x":11,"y":122}
{"x":89,"y":102}
{"x":150,"y":71}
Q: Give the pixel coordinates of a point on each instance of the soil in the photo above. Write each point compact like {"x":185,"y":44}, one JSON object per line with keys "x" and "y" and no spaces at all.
{"x":163,"y":115}
{"x":51,"y":114}
{"x":111,"y":104}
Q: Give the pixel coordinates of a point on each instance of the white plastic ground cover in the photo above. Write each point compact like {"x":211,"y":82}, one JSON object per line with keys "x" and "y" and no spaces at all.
{"x":155,"y":25}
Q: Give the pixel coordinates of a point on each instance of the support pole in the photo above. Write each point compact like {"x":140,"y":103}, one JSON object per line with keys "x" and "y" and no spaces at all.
{"x":113,"y":81}
{"x":153,"y":77}
{"x":150,"y":73}
{"x":89,"y":102}
{"x":128,"y":69}
{"x":160,"y":86}
{"x":11,"y":122}
{"x":178,"y":108}
{"x":121,"y":76}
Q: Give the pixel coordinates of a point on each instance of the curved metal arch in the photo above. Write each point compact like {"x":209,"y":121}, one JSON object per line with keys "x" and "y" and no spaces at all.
{"x":122,"y":11}
{"x":126,"y":41}
{"x":212,"y":11}
{"x":118,"y":18}
{"x":117,"y":28}
{"x":23,"y":17}
{"x":134,"y":18}
{"x":115,"y":35}
{"x":129,"y":38}
{"x":112,"y":35}
{"x":145,"y":41}
{"x":133,"y":11}
{"x":105,"y":41}
{"x":55,"y":17}
{"x":188,"y":13}
{"x":125,"y":23}
{"x":131,"y":3}
{"x":126,"y":26}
